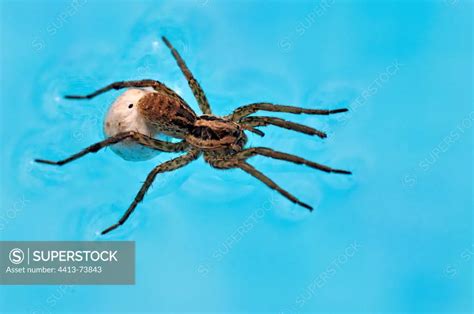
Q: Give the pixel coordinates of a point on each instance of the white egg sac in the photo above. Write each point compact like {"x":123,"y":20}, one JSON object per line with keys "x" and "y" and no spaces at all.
{"x":123,"y":116}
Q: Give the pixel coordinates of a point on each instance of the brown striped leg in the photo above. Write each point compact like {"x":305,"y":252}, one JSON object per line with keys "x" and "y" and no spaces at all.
{"x":169,"y":165}
{"x":252,"y":108}
{"x":120,"y":85}
{"x":235,"y":163}
{"x":251,"y":128}
{"x":192,"y":82}
{"x":264,"y":121}
{"x":263,"y":151}
{"x":138,"y":137}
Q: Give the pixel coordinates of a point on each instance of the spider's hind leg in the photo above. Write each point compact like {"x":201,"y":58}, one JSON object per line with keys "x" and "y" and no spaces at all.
{"x":119,"y":85}
{"x":141,"y":139}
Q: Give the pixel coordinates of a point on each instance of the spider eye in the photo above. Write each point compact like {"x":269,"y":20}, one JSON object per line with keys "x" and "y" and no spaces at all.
{"x":130,"y":106}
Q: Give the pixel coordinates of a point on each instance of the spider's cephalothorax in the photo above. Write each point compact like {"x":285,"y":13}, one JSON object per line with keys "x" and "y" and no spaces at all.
{"x":148,"y":108}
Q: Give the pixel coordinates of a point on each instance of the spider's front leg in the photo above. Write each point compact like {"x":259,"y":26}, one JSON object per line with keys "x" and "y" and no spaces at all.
{"x":264,"y":151}
{"x":236,"y":162}
{"x":169,"y":165}
{"x":252,"y":108}
{"x":264,"y":121}
{"x":138,"y":137}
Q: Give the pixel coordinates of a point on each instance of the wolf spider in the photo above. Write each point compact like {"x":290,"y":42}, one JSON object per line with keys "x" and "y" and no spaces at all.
{"x":220,"y":139}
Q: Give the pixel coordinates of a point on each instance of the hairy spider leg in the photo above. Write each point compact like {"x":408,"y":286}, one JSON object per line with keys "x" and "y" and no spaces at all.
{"x":246,"y":110}
{"x":263,"y":151}
{"x":260,"y":176}
{"x":264,"y":121}
{"x":251,"y":128}
{"x":157,"y":85}
{"x":192,"y":82}
{"x":169,"y":165}
{"x":234,"y":163}
{"x":135,"y":136}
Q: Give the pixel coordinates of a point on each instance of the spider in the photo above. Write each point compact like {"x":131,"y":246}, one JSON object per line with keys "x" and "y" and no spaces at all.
{"x":220,"y":139}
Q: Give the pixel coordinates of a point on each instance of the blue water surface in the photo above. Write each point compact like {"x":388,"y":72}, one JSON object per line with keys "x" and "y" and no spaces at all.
{"x":396,"y":236}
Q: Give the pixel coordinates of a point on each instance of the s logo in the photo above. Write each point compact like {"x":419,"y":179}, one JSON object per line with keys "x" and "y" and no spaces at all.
{"x":16,"y":256}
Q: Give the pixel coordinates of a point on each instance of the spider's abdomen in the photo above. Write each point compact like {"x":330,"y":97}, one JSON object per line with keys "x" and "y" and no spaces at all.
{"x":168,"y":113}
{"x":210,"y":132}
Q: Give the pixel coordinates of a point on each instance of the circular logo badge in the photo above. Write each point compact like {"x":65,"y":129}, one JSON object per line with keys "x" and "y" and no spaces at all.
{"x":16,"y":256}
